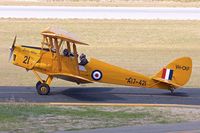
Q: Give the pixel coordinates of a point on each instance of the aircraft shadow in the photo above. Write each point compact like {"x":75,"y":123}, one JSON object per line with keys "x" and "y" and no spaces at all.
{"x":101,"y":94}
{"x":176,"y":94}
{"x":92,"y":94}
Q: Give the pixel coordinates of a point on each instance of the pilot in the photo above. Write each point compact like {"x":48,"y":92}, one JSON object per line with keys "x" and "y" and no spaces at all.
{"x":83,"y":60}
{"x":67,"y":53}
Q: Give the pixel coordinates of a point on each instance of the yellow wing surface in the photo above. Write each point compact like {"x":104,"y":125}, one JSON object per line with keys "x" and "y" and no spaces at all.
{"x":72,"y":78}
{"x":61,"y":34}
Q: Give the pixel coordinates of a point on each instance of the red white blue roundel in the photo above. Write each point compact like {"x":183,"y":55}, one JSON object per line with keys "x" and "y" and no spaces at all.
{"x":96,"y":75}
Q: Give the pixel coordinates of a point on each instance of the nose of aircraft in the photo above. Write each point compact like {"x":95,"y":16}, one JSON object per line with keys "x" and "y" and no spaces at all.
{"x":12,"y":47}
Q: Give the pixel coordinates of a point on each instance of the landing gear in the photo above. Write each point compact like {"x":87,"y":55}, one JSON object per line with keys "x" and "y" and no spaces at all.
{"x":172,"y":90}
{"x":43,"y":88}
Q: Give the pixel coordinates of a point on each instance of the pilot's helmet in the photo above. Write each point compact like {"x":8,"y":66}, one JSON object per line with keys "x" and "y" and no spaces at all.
{"x":82,"y":56}
{"x":65,"y":52}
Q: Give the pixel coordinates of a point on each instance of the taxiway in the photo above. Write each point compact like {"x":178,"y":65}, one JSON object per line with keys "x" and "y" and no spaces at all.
{"x":185,"y":96}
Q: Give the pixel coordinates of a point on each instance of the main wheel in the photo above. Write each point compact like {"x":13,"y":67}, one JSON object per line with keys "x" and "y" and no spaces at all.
{"x":43,"y":89}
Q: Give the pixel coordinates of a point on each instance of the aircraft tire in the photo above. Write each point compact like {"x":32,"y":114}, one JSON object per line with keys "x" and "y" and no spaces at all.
{"x":38,"y":83}
{"x":43,"y":89}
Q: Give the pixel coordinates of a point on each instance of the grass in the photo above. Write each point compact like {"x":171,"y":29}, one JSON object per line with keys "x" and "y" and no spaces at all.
{"x":138,"y":45}
{"x":14,"y":114}
{"x":115,"y":3}
{"x":40,"y":118}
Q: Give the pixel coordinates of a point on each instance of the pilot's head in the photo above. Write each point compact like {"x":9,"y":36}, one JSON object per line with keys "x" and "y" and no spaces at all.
{"x":65,"y":52}
{"x":82,"y":56}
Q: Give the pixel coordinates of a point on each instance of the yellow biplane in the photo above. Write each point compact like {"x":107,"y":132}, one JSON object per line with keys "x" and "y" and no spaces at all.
{"x":58,"y":57}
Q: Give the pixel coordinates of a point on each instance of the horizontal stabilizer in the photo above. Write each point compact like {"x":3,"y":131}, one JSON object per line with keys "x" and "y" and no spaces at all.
{"x":174,"y":85}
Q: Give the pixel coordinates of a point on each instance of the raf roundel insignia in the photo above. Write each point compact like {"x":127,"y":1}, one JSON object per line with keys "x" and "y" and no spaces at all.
{"x":96,"y":75}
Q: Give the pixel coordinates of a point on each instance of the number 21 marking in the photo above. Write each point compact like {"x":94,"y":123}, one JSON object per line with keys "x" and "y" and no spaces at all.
{"x":26,"y":59}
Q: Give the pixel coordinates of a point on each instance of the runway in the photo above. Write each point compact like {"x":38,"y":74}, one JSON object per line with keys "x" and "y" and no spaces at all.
{"x":66,"y":12}
{"x":125,"y":95}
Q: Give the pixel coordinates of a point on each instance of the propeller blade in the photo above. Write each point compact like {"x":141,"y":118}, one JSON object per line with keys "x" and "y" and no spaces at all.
{"x":11,"y":52}
{"x":13,"y":45}
{"x":12,"y":48}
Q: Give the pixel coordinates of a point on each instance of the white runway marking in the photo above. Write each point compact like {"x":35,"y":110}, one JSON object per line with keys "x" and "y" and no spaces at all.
{"x":56,"y":12}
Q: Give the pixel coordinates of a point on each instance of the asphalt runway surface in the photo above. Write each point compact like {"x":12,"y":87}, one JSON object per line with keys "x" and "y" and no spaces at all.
{"x":185,"y":96}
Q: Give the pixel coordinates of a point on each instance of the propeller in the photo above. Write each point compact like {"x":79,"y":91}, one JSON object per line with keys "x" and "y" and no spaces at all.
{"x":12,"y":48}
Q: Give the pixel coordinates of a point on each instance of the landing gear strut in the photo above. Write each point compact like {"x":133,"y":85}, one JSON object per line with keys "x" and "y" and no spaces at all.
{"x":42,"y":86}
{"x":172,"y":90}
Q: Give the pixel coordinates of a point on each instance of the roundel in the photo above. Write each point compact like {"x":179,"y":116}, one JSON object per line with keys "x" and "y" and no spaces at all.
{"x":96,"y":75}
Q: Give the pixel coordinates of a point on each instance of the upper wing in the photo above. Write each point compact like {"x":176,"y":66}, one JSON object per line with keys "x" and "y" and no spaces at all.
{"x":64,"y":35}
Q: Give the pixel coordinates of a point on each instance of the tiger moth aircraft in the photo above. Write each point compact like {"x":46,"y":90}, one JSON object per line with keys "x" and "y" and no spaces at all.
{"x":58,"y":58}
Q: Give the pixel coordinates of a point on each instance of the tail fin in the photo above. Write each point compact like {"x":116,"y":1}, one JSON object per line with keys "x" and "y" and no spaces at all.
{"x":177,"y":73}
